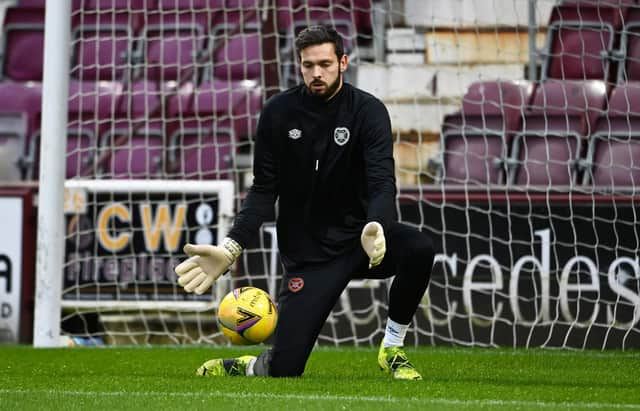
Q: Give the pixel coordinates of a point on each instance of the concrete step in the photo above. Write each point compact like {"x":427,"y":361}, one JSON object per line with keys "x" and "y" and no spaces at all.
{"x":419,"y":96}
{"x":475,"y":14}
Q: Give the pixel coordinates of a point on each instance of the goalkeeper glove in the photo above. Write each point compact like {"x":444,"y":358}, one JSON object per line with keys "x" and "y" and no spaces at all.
{"x":205,"y":264}
{"x":373,"y":242}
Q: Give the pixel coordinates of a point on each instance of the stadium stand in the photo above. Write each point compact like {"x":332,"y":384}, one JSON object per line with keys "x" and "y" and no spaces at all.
{"x":202,"y":52}
{"x":20,"y":101}
{"x":134,"y":144}
{"x":614,"y":146}
{"x":92,"y":106}
{"x":202,"y":141}
{"x":581,"y":39}
{"x":170,"y":46}
{"x":476,"y":139}
{"x":13,"y":133}
{"x":575,"y":120}
{"x":238,"y":54}
{"x":103,"y":46}
{"x":556,"y":123}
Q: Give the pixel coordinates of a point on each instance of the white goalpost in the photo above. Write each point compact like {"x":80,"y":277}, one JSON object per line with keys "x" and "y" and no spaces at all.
{"x":515,"y":127}
{"x":50,"y":253}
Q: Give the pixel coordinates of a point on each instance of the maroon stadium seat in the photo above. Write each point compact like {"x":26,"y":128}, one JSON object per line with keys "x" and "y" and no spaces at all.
{"x":133,"y":145}
{"x":613,"y":157}
{"x":103,"y":45}
{"x":237,"y":53}
{"x":13,"y":135}
{"x":92,"y":107}
{"x":202,"y":150}
{"x":171,"y":45}
{"x":239,"y":12}
{"x":234,"y":105}
{"x":581,"y":38}
{"x":201,"y":141}
{"x":560,"y":116}
{"x":23,"y":100}
{"x":475,"y":140}
{"x":357,"y":12}
{"x":23,"y":44}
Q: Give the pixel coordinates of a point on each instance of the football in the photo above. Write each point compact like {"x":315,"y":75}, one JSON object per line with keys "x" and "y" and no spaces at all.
{"x":247,"y":315}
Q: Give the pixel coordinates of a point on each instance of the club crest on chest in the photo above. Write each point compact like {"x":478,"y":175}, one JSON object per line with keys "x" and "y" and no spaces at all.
{"x":295,"y":134}
{"x":341,"y":135}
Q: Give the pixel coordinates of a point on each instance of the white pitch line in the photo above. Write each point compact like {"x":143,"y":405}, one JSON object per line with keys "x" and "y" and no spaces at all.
{"x":493,"y":351}
{"x":340,"y":398}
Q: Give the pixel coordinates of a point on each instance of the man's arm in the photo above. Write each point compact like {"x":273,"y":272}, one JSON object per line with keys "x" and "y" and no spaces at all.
{"x":380,"y":167}
{"x":258,"y":205}
{"x":206,"y":263}
{"x":381,"y":182}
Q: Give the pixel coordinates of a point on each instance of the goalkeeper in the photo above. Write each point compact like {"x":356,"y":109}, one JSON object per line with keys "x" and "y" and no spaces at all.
{"x":324,"y":150}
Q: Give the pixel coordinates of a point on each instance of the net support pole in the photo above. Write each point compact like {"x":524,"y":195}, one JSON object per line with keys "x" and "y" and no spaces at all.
{"x":50,"y":243}
{"x":533,"y":51}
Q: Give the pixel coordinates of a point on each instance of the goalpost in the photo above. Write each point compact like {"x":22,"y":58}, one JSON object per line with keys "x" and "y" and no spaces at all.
{"x":532,"y":249}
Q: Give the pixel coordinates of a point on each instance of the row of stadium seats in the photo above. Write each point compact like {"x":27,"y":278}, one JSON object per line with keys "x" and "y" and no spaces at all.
{"x":561,"y":133}
{"x":138,"y":133}
{"x":588,"y":39}
{"x":576,"y":127}
{"x":148,"y":75}
{"x":113,"y":46}
{"x":170,"y":44}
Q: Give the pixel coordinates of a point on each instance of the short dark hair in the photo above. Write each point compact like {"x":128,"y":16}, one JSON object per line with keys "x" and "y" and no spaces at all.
{"x":315,"y":35}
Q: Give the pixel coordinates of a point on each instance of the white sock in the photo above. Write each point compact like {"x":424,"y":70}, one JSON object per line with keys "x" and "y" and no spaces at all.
{"x":250,"y":367}
{"x":394,"y":334}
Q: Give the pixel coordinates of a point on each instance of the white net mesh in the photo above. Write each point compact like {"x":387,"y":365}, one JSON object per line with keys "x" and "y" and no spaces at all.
{"x":523,"y":169}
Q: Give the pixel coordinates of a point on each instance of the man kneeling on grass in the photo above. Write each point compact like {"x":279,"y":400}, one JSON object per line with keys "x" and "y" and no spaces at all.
{"x":324,"y":150}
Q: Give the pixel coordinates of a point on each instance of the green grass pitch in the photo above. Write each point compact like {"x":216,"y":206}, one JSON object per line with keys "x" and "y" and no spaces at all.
{"x":335,"y":379}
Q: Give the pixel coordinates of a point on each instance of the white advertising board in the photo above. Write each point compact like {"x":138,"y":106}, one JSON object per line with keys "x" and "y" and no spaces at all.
{"x":10,"y":267}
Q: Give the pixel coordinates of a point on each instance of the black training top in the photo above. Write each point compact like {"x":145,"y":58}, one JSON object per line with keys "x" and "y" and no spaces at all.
{"x":331,"y":166}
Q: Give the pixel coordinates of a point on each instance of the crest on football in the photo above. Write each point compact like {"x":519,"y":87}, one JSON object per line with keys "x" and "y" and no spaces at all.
{"x":341,"y":135}
{"x":295,"y":134}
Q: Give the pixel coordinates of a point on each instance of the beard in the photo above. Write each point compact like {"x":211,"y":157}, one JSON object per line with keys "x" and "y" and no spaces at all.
{"x":329,"y":90}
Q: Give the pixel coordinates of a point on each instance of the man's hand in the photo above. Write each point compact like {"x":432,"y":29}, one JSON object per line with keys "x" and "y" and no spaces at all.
{"x":205,"y":264}
{"x":373,"y":243}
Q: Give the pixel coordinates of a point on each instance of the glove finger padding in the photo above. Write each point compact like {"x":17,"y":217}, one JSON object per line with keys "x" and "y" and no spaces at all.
{"x":186,"y":266}
{"x":186,"y":278}
{"x":193,"y":284}
{"x":202,"y":288}
{"x":197,"y":249}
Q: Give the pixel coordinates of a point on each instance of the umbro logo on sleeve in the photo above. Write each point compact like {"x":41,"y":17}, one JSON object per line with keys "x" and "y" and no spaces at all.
{"x":295,"y":134}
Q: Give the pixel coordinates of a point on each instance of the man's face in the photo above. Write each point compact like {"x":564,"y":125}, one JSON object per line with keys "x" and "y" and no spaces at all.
{"x":321,"y":69}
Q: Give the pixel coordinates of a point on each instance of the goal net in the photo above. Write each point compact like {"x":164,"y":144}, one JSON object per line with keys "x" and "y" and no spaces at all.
{"x":515,"y":125}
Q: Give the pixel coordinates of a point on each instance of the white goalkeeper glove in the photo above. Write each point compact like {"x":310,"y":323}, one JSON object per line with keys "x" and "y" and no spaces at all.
{"x":205,"y":264}
{"x":373,"y":243}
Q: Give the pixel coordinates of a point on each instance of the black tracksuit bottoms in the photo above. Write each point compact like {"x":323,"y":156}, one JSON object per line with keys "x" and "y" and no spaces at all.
{"x":307,"y":297}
